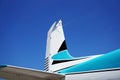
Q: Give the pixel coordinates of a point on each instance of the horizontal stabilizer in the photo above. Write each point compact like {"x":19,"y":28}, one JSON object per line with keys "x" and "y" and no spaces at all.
{"x":18,"y":73}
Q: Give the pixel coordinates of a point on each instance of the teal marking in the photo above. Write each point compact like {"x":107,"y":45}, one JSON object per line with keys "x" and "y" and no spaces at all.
{"x":106,"y":61}
{"x":62,"y":55}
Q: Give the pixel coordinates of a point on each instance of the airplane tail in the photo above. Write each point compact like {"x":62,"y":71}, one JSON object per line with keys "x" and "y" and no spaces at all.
{"x":56,"y":49}
{"x":57,"y":55}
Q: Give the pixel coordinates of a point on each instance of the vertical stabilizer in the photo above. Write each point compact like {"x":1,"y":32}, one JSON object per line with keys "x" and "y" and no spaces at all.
{"x":57,"y":56}
{"x":55,"y":44}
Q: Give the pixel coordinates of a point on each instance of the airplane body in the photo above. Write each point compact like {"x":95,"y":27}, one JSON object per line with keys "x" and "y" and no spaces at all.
{"x":60,"y":65}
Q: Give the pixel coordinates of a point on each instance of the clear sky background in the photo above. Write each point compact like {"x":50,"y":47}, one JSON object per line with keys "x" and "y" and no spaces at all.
{"x":91,"y":27}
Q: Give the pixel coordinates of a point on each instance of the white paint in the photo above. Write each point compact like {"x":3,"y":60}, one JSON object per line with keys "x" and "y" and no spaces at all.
{"x":71,"y":63}
{"x":54,"y":41}
{"x":108,"y":75}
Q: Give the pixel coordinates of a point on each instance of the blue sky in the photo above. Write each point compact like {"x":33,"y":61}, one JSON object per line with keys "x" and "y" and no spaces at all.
{"x":91,"y":27}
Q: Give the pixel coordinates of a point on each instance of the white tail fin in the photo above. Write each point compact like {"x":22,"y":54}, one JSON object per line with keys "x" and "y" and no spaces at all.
{"x":57,"y":55}
{"x":55,"y":44}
